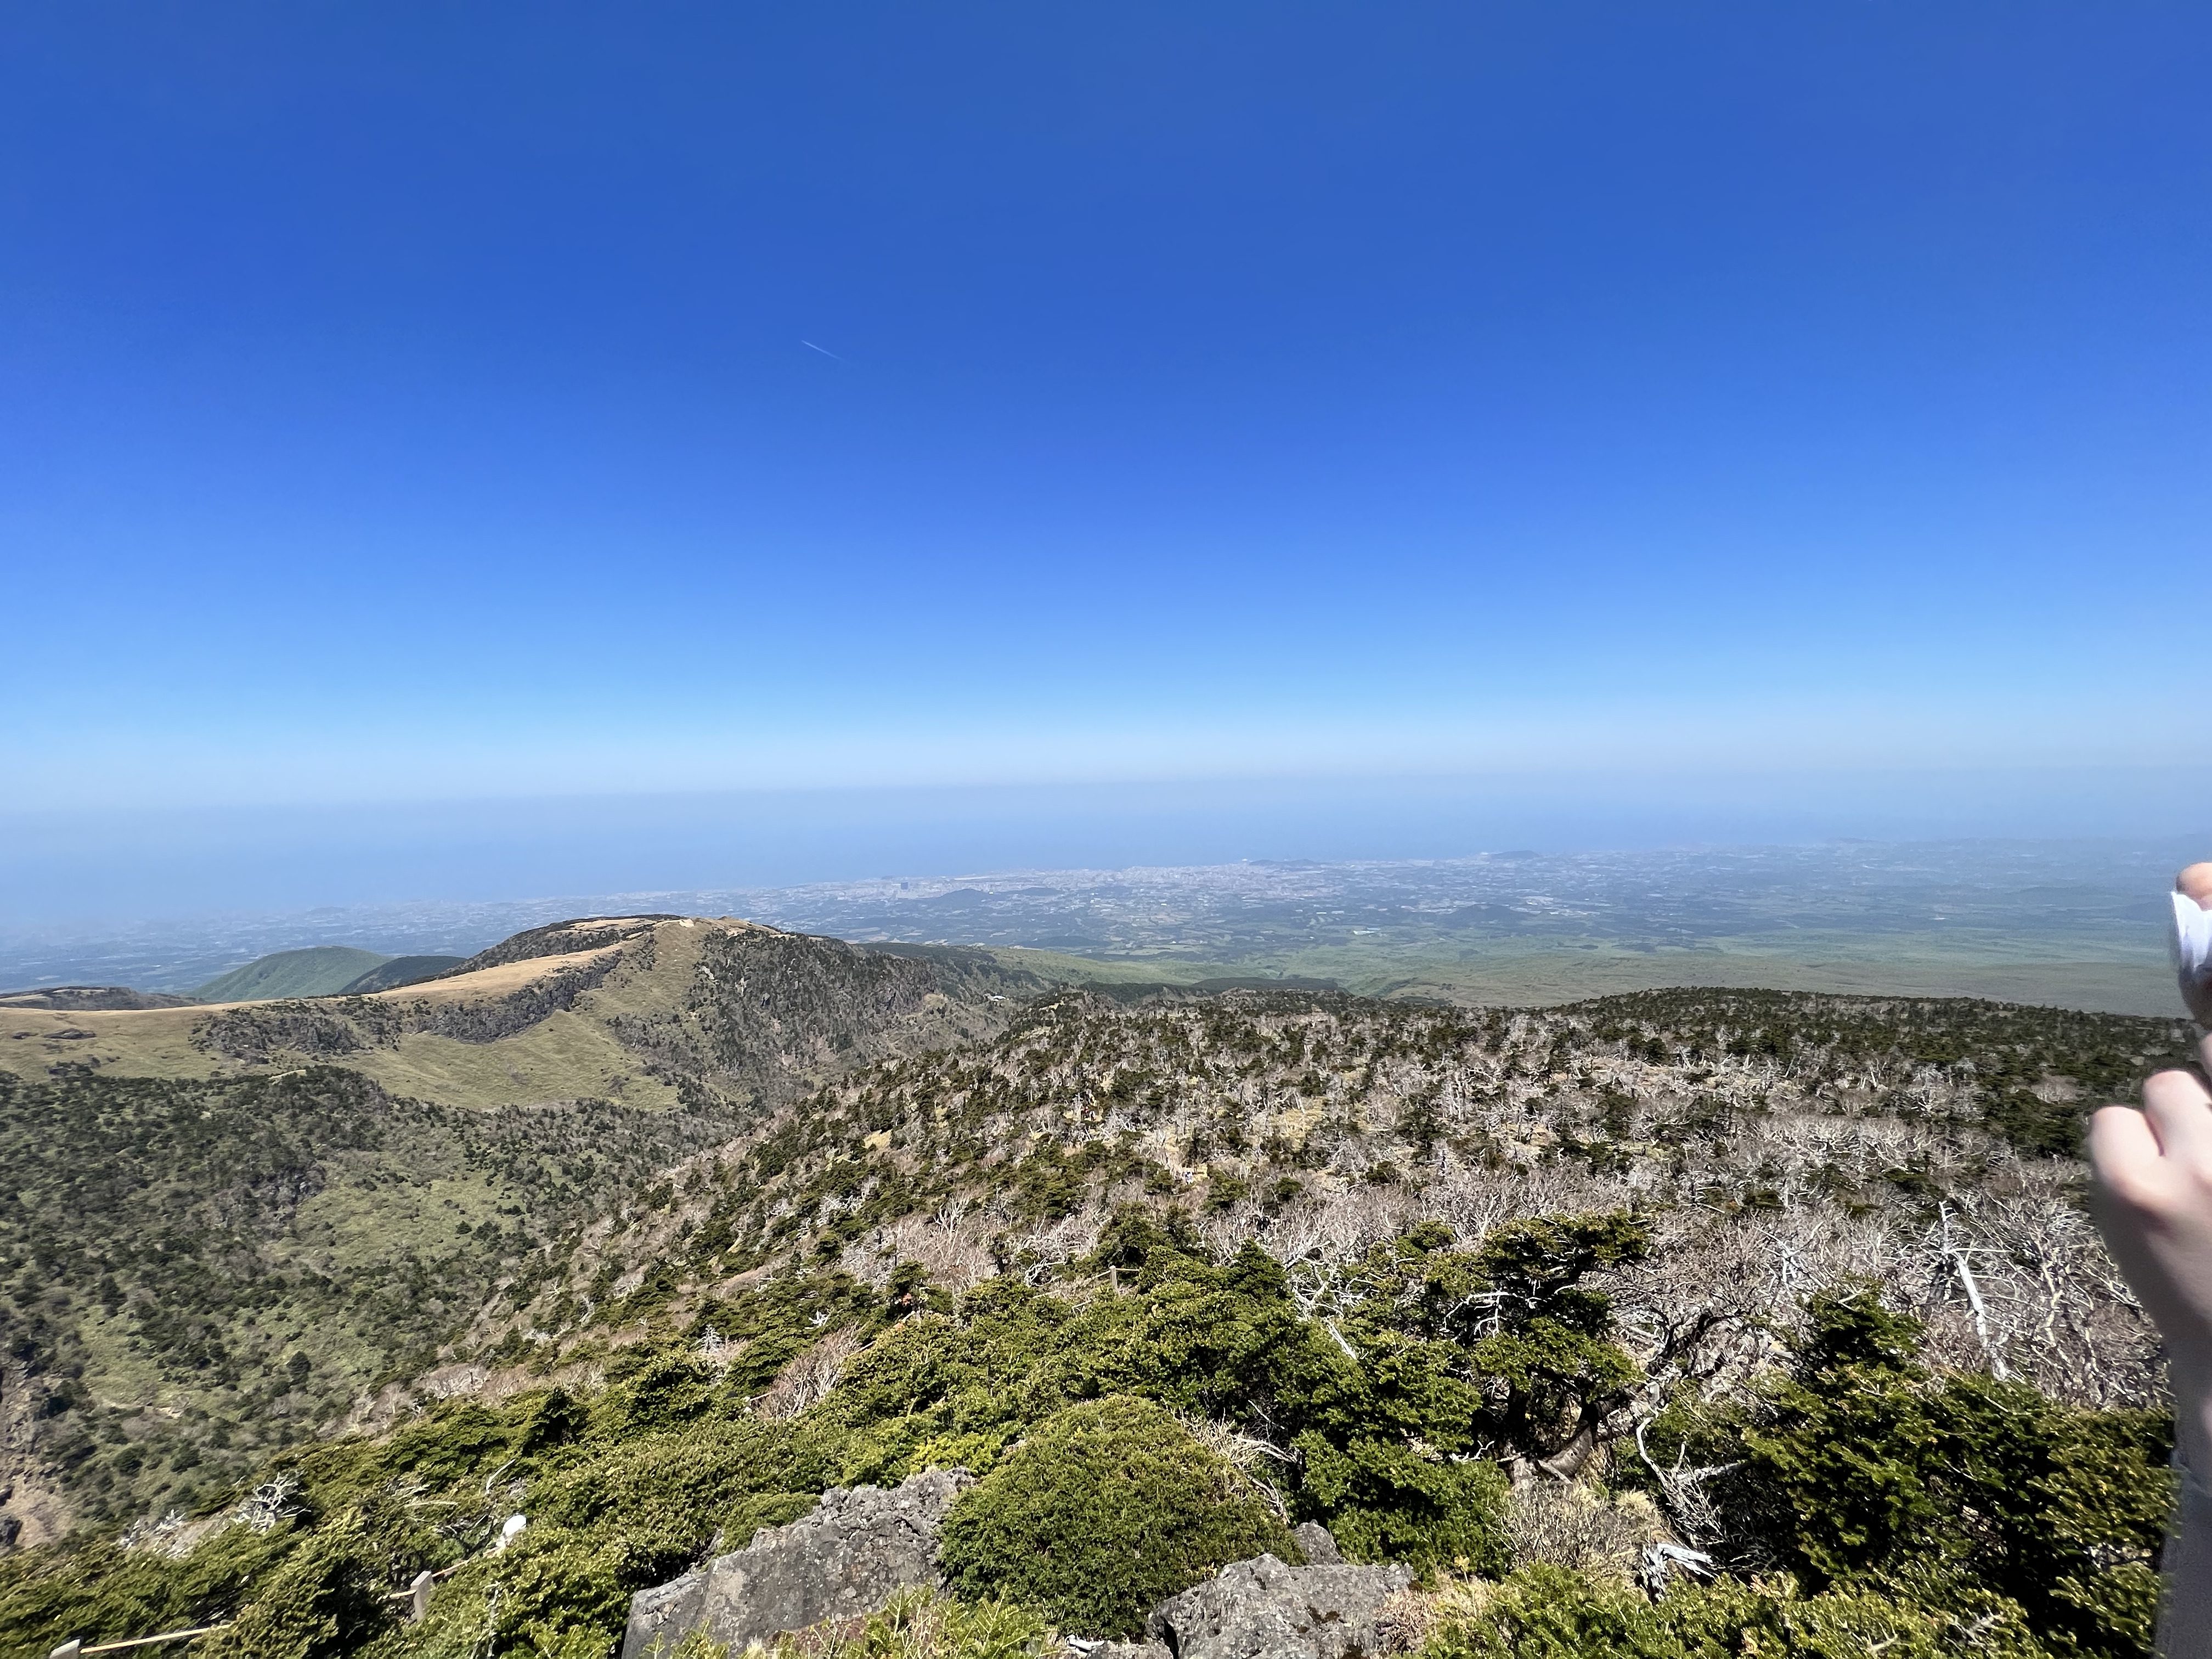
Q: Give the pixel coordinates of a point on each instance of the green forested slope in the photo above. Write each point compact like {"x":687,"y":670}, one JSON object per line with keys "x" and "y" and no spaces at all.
{"x":319,"y":971}
{"x":191,"y":1274}
{"x":196,"y":1269}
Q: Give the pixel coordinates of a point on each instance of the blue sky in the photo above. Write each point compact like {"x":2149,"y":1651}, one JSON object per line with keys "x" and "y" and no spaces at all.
{"x":409,"y":403}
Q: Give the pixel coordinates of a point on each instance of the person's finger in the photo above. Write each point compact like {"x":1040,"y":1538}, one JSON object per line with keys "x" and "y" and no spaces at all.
{"x":2180,"y":1113}
{"x":2125,"y":1154}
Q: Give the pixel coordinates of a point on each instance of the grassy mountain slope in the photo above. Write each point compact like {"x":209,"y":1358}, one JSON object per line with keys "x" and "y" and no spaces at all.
{"x":198,"y":1271}
{"x":224,"y":1224}
{"x":318,"y":971}
{"x":399,"y":971}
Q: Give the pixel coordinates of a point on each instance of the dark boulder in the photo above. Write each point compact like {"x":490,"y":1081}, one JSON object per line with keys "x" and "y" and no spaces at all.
{"x":1265,"y":1608}
{"x":844,"y":1559}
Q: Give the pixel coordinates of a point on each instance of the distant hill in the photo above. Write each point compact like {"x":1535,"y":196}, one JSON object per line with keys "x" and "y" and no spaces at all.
{"x":85,"y":999}
{"x":319,"y":971}
{"x":400,"y":970}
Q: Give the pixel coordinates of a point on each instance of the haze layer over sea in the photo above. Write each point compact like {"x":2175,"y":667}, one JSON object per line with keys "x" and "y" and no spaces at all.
{"x":2071,"y":923}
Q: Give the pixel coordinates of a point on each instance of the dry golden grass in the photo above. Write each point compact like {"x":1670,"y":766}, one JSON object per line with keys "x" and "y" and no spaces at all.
{"x":534,"y":1065}
{"x":507,"y":977}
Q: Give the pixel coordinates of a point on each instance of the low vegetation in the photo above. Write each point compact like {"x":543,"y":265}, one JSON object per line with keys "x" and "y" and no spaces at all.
{"x":194,"y":1273}
{"x":1130,"y":1441}
{"x":1798,"y":1287}
{"x":196,"y":1270}
{"x":1776,"y":1143}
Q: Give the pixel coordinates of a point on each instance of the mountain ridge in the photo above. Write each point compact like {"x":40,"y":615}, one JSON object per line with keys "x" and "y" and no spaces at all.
{"x":398,"y":971}
{"x":91,"y":998}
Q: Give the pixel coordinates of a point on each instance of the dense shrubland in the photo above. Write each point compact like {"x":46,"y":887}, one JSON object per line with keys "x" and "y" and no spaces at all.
{"x":194,"y":1270}
{"x":248,"y":1254}
{"x":1777,"y":1143}
{"x":1131,"y":1439}
{"x":1794,"y":1281}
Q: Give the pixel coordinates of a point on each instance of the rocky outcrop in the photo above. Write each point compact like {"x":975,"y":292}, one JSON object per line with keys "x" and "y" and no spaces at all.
{"x":91,"y":998}
{"x":1265,"y":1609}
{"x":845,"y":1558}
{"x":861,"y":1544}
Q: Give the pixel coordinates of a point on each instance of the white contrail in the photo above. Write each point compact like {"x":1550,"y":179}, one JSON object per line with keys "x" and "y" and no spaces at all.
{"x":824,"y":350}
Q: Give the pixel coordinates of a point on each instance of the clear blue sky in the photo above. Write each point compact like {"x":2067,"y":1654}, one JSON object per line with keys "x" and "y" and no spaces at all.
{"x":403,"y":402}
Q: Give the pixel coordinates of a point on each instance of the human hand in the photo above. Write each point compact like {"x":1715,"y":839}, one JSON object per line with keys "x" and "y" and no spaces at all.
{"x":2192,"y":938}
{"x":2153,"y":1172}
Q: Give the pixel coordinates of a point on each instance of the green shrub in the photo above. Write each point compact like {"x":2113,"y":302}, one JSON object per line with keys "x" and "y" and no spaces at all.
{"x":1195,"y":1337}
{"x":669,"y":1493}
{"x":330,"y":1597}
{"x":1881,"y":1470}
{"x":918,"y":1624}
{"x":95,"y":1592}
{"x":658,"y":1390}
{"x":1547,"y":1613}
{"x":1386,"y":1502}
{"x":555,"y":1594}
{"x":556,"y":1418}
{"x":1860,"y":1468}
{"x":1911,"y":1506}
{"x":445,"y":1445}
{"x":1106,"y":1510}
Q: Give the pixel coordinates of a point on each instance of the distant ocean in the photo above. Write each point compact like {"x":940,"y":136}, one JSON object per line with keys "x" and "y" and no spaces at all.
{"x":1967,"y":867}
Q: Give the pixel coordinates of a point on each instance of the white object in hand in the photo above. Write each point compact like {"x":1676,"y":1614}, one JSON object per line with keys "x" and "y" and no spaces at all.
{"x":2192,"y":954}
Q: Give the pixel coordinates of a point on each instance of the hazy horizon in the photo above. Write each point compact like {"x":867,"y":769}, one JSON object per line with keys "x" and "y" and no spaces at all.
{"x":91,"y":869}
{"x":2074,"y":922}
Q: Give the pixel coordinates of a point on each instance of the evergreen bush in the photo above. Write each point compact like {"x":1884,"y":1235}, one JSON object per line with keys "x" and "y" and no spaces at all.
{"x":1386,"y":1501}
{"x":1107,"y":1509}
{"x":1544,"y":1612}
{"x":1959,"y":1494}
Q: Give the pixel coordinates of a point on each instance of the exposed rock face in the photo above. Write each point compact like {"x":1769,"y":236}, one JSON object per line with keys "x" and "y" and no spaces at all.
{"x":91,"y":998}
{"x":1319,"y":1547}
{"x":1264,"y":1609}
{"x":844,"y":1557}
